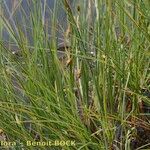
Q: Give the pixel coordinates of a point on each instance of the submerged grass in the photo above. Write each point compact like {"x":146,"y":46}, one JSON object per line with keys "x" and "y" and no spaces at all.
{"x":94,"y":93}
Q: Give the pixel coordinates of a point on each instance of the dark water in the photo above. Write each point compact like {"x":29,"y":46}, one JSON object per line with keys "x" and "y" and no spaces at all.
{"x":18,"y":14}
{"x":21,"y":13}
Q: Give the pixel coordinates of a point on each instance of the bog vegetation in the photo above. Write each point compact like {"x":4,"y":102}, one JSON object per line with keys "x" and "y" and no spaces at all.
{"x":94,"y":91}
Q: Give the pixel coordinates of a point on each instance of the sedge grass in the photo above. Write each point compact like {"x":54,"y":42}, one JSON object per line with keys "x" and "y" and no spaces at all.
{"x":96,"y":98}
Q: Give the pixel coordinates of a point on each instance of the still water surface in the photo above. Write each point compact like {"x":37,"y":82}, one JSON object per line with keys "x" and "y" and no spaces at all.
{"x":18,"y":13}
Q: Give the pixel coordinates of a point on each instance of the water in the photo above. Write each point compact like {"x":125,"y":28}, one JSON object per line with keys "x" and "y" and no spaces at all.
{"x":18,"y":13}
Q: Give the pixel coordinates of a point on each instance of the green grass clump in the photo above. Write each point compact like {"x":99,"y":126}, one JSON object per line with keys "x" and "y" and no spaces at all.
{"x":95,"y":93}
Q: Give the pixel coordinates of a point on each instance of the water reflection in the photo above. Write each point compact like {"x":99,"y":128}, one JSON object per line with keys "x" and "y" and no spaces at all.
{"x":19,"y":14}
